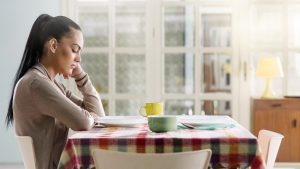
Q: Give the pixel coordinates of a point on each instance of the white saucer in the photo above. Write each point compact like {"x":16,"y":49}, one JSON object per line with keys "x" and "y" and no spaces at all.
{"x":121,"y":121}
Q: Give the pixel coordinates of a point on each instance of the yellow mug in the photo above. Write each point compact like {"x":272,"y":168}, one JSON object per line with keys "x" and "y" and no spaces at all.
{"x":149,"y":109}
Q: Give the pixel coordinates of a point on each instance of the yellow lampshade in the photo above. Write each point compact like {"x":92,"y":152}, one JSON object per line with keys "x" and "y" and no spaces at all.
{"x":269,"y":67}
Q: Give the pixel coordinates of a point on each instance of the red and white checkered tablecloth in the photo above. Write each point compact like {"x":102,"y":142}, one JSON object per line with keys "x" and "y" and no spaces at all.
{"x":231,"y":147}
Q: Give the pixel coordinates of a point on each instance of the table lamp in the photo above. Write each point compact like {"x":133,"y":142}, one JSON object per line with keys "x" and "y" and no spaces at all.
{"x":269,"y":67}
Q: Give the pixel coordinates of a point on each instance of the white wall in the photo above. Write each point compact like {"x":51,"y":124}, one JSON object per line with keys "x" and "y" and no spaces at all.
{"x":16,"y":19}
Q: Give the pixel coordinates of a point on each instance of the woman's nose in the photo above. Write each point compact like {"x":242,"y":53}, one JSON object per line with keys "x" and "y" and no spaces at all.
{"x":77,"y":58}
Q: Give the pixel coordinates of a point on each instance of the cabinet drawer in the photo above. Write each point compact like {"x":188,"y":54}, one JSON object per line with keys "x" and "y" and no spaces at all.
{"x":284,"y":104}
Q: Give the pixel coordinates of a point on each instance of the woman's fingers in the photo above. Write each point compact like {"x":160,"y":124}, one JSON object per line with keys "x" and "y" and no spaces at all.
{"x":77,"y":70}
{"x":66,"y":76}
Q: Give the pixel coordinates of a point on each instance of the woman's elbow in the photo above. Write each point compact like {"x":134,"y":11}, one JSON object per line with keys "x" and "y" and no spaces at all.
{"x":82,"y":128}
{"x":83,"y":125}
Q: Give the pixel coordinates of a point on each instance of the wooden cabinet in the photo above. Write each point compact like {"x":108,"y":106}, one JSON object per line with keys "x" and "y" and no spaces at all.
{"x":282,"y":116}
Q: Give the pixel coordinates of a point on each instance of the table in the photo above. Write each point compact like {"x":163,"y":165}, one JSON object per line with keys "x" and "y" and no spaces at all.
{"x":231,"y":147}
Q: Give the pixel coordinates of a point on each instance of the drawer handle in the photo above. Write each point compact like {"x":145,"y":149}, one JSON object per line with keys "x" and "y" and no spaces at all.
{"x":294,"y":123}
{"x":276,"y":105}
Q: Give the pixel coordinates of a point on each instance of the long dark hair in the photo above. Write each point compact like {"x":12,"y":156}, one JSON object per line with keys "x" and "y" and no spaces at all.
{"x":44,"y":27}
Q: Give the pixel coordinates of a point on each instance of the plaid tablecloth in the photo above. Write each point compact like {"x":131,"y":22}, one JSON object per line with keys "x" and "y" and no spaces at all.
{"x":231,"y":147}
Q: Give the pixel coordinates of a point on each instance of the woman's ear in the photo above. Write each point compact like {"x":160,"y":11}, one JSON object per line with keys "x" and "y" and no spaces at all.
{"x":52,"y":45}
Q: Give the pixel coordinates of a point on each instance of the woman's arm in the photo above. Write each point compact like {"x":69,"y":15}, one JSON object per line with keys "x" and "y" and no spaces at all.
{"x":91,"y":100}
{"x":50,"y":101}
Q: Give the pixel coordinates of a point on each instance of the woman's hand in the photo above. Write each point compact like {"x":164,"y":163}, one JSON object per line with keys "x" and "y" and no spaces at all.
{"x":95,"y":116}
{"x":76,"y":71}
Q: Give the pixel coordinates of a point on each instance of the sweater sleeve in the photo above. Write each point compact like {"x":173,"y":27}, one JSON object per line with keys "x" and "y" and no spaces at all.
{"x":51,"y":101}
{"x":91,"y":100}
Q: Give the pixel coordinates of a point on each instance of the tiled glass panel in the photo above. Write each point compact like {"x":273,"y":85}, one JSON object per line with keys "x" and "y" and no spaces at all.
{"x":266,"y":26}
{"x":216,"y":107}
{"x":94,"y":26}
{"x":130,"y":26}
{"x":105,"y":106}
{"x":179,"y":26}
{"x":293,"y":75}
{"x":130,"y":73}
{"x":217,"y":69}
{"x":216,"y":30}
{"x":294,"y":26}
{"x":128,"y":107}
{"x":259,"y":83}
{"x":96,"y":65}
{"x":179,"y":73}
{"x":179,"y":107}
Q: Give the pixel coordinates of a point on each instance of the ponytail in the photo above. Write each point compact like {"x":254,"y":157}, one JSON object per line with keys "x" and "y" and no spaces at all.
{"x":44,"y":27}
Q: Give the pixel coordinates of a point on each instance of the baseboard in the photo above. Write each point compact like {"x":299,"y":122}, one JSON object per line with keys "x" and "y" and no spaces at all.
{"x":287,"y":166}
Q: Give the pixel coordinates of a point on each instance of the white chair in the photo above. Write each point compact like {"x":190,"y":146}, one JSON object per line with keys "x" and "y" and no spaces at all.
{"x":27,"y":151}
{"x":269,"y":143}
{"x":105,"y":159}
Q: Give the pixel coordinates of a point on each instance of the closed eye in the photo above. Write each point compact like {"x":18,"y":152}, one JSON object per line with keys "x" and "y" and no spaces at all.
{"x":75,"y":50}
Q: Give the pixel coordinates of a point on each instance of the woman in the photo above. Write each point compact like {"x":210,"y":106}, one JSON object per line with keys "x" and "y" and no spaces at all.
{"x":40,"y":106}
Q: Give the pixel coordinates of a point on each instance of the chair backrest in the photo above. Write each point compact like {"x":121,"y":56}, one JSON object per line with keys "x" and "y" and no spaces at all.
{"x":105,"y":159}
{"x":269,"y":143}
{"x":27,"y":151}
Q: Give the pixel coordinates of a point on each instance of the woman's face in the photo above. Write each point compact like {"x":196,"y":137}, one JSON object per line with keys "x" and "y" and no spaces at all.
{"x":67,"y":55}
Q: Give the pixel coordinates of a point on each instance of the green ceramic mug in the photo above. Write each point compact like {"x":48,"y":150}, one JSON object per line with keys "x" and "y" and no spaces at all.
{"x":162,"y":123}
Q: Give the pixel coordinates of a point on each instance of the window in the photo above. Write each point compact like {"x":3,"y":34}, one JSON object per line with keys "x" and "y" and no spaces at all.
{"x":275,"y":32}
{"x":180,"y":52}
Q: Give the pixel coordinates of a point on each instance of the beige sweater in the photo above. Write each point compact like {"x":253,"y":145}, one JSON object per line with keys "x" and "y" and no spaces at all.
{"x":45,"y":110}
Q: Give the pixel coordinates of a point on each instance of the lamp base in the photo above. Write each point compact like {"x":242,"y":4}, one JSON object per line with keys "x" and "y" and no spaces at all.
{"x":268,"y":93}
